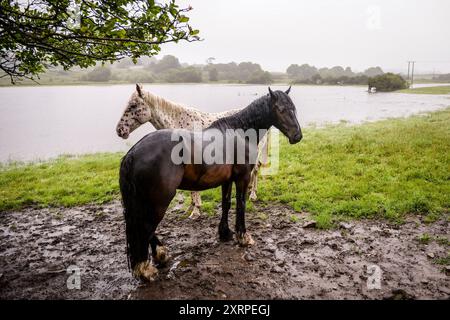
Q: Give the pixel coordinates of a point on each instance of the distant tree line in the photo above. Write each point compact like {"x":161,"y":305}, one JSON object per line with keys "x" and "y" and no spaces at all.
{"x":442,"y":78}
{"x":99,"y":74}
{"x":336,"y":75}
{"x":244,"y":72}
{"x":169,"y":69}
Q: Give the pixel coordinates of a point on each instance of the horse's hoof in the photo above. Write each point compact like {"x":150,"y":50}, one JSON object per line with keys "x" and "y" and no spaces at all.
{"x":225,"y":235}
{"x":162,"y":256}
{"x":245,"y":240}
{"x":253,"y":196}
{"x":145,"y":271}
{"x":195,"y":213}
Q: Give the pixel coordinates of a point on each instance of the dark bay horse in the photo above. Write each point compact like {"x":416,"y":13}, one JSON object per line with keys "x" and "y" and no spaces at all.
{"x":149,"y":176}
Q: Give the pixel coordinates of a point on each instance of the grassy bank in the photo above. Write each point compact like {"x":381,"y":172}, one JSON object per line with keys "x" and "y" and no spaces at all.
{"x":428,"y":90}
{"x":66,"y":181}
{"x":382,"y":169}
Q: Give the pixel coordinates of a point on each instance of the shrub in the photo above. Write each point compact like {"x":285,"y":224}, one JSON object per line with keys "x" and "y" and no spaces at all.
{"x":388,"y":82}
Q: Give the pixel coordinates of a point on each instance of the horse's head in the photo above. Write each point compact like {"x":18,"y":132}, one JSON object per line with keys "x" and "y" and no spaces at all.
{"x":284,"y":115}
{"x":136,"y":113}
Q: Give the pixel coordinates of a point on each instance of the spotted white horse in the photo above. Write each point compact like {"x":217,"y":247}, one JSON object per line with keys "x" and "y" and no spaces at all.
{"x":144,"y":106}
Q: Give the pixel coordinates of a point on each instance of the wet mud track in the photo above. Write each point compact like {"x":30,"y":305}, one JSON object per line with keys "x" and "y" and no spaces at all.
{"x":288,"y":260}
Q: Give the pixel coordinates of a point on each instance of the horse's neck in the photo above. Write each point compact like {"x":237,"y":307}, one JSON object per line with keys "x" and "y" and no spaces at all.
{"x":255,"y":117}
{"x":166,"y":114}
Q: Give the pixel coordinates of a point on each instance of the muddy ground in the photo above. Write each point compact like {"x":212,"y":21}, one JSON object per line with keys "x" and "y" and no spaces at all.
{"x":288,"y":261}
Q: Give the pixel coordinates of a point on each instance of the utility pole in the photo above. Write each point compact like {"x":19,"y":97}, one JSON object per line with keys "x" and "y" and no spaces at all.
{"x":407,"y":79}
{"x":411,"y":67}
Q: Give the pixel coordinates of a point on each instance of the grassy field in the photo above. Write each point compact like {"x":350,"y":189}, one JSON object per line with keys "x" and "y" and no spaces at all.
{"x":384,"y":169}
{"x":428,"y":90}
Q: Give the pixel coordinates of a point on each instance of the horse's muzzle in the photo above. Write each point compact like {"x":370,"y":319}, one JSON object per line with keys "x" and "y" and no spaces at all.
{"x":295,"y":139}
{"x":122,"y":133}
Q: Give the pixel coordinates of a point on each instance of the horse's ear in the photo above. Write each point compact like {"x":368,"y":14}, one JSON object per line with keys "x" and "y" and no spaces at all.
{"x":272,"y":95}
{"x":288,"y":90}
{"x":139,"y":90}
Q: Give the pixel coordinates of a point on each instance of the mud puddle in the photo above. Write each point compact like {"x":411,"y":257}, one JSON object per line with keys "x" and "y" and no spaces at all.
{"x":363,"y":259}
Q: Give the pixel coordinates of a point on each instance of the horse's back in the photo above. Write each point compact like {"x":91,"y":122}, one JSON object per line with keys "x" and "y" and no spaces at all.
{"x":152,"y":139}
{"x":151,"y":157}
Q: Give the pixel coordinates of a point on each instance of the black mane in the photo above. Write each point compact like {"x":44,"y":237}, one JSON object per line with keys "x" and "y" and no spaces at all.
{"x":256,"y":116}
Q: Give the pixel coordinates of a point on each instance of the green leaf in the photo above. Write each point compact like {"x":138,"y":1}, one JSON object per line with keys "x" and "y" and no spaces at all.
{"x":183,"y":19}
{"x":102,"y":24}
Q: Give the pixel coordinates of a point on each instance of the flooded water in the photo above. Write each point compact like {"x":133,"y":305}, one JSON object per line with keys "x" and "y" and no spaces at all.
{"x":46,"y":121}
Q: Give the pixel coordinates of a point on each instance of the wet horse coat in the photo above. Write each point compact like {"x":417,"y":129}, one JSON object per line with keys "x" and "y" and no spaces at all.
{"x":149,"y":178}
{"x":145,"y":107}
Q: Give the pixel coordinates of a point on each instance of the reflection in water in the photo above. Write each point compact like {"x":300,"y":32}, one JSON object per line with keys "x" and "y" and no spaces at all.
{"x":42,"y":122}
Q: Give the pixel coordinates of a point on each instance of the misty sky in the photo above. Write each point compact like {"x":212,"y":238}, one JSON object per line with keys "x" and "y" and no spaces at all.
{"x":355,"y":33}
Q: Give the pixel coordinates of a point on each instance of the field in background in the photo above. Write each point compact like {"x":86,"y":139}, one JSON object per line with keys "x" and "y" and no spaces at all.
{"x":428,"y":90}
{"x":383,"y":169}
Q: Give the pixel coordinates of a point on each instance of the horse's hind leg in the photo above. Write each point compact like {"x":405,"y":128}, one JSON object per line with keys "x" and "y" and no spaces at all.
{"x":142,"y":268}
{"x":145,"y":269}
{"x":254,"y":182}
{"x":261,"y":159}
{"x":196,"y":203}
{"x":159,"y":252}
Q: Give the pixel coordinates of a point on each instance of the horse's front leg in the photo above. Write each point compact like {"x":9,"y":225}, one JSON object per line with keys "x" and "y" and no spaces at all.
{"x":225,"y":233}
{"x":243,"y":237}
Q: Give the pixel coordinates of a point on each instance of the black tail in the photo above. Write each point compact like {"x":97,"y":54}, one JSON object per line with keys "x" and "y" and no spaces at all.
{"x":136,"y":213}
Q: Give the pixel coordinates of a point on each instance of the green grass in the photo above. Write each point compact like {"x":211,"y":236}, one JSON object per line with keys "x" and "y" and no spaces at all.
{"x":424,"y":238}
{"x":383,"y":169}
{"x":377,"y":170}
{"x":66,"y":181}
{"x":445,"y":261}
{"x":428,"y":90}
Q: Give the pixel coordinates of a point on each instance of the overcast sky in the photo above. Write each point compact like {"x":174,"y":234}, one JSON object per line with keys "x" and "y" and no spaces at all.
{"x":355,"y":33}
